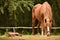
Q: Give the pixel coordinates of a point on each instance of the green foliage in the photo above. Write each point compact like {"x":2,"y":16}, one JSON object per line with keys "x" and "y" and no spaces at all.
{"x":2,"y":10}
{"x":11,"y":6}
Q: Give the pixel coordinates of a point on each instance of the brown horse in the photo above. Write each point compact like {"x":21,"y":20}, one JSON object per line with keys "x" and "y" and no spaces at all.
{"x":43,"y":13}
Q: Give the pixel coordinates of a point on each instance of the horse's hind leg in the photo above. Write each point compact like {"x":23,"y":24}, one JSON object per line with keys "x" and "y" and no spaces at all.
{"x":38,"y":25}
{"x":45,"y":31}
{"x":33,"y":23}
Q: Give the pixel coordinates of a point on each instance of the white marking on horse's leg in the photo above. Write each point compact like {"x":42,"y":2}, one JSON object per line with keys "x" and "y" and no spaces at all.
{"x":48,"y":29}
{"x":42,"y":31}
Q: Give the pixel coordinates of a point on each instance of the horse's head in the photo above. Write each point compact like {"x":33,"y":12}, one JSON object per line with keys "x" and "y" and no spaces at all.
{"x":47,"y":22}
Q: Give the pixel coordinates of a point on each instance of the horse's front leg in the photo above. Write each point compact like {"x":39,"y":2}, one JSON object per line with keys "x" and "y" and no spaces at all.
{"x":42,"y":30}
{"x":48,"y":31}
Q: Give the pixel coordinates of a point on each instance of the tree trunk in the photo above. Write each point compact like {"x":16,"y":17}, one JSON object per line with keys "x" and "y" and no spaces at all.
{"x":14,"y":24}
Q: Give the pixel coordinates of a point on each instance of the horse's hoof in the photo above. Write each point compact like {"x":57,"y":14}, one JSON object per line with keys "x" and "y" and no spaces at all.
{"x":48,"y":34}
{"x":38,"y":33}
{"x":32,"y":33}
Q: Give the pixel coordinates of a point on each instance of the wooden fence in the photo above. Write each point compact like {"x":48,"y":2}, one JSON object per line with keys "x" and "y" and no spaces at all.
{"x":23,"y":28}
{"x":26,"y":27}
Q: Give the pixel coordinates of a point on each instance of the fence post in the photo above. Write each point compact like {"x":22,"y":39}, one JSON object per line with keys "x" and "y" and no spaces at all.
{"x":13,"y":29}
{"x":6,"y":30}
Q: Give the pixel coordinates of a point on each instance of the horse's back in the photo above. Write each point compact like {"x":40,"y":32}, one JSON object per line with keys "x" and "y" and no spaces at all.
{"x":36,"y":7}
{"x":35,"y":10}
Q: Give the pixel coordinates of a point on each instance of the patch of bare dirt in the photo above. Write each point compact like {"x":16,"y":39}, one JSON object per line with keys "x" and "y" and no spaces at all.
{"x":39,"y":37}
{"x":32,"y":37}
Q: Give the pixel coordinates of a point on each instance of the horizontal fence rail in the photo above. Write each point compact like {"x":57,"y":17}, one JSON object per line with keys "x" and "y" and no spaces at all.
{"x":27,"y":27}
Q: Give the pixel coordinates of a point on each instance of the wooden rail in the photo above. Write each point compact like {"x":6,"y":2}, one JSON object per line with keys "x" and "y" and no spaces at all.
{"x":23,"y":28}
{"x":27,"y":27}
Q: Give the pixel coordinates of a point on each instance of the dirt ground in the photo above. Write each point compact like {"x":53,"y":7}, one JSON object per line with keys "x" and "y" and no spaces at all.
{"x":31,"y":37}
{"x":39,"y":37}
